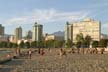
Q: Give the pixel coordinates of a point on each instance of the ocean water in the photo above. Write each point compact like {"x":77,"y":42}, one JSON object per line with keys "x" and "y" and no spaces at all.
{"x":3,"y":52}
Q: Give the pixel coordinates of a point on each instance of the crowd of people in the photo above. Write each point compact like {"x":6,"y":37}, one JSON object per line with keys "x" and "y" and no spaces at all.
{"x":61,"y":51}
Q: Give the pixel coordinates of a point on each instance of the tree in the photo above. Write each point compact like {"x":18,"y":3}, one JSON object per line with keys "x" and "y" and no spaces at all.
{"x":10,"y":45}
{"x":95,"y":44}
{"x":21,"y":45}
{"x":50,"y":43}
{"x":4,"y":44}
{"x":69,"y":43}
{"x":78,"y":44}
{"x":27,"y":45}
{"x":103,"y":43}
{"x":80,"y":40}
{"x":15,"y":45}
{"x":83,"y":41}
{"x":40,"y":44}
{"x":44,"y":44}
{"x":61,"y":43}
{"x":88,"y":40}
{"x":34,"y":44}
{"x":80,"y":37}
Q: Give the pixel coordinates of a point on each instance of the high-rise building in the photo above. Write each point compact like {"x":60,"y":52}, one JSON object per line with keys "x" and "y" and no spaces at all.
{"x":37,"y":34}
{"x":68,"y":32}
{"x":18,"y":33}
{"x":86,"y":27}
{"x":29,"y":34}
{"x":1,"y":30}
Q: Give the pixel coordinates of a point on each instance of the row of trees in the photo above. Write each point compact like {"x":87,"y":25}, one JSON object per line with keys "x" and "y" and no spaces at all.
{"x":83,"y":41}
{"x":102,"y":43}
{"x":87,"y":41}
{"x":34,"y":44}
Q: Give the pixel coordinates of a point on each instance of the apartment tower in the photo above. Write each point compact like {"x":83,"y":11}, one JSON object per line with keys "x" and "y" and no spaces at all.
{"x":37,"y":34}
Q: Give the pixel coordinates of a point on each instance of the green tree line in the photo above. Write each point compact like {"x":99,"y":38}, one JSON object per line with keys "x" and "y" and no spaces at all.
{"x":34,"y":44}
{"x":87,"y":41}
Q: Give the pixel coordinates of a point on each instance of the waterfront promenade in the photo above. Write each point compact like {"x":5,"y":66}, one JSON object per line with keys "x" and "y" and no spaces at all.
{"x":51,"y":61}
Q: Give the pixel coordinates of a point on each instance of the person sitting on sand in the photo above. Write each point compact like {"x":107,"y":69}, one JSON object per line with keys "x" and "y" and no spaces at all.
{"x":42,"y":52}
{"x":8,"y":56}
{"x":72,"y":50}
{"x":62,"y":52}
{"x":102,"y":50}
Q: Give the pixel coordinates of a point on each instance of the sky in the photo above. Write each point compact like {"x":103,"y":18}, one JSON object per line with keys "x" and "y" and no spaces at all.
{"x":52,"y":14}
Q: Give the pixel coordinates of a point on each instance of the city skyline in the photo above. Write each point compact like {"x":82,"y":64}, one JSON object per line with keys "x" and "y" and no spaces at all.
{"x":52,"y":14}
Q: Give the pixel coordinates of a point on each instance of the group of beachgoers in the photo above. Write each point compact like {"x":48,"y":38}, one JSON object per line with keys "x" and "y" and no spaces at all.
{"x":89,"y":50}
{"x":61,"y":51}
{"x":28,"y":52}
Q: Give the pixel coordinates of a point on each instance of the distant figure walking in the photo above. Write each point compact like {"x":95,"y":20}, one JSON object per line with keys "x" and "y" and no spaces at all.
{"x":30,"y":53}
{"x":18,"y":52}
{"x":49,"y":50}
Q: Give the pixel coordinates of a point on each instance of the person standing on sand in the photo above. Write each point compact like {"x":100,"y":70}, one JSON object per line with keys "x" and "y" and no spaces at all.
{"x":60,"y":52}
{"x":30,"y":53}
{"x":39,"y":50}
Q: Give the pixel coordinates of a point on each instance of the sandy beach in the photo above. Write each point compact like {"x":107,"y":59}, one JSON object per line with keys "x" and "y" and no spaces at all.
{"x":52,"y":62}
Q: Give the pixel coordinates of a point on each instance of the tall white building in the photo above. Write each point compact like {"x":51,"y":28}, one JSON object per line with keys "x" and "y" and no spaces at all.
{"x":37,"y":34}
{"x":86,"y":27}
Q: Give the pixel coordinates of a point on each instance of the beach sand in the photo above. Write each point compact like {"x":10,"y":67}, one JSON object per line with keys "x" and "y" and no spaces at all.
{"x":52,"y":62}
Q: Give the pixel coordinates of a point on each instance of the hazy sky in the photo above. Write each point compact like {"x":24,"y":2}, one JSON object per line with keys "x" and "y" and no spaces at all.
{"x":53,"y":14}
